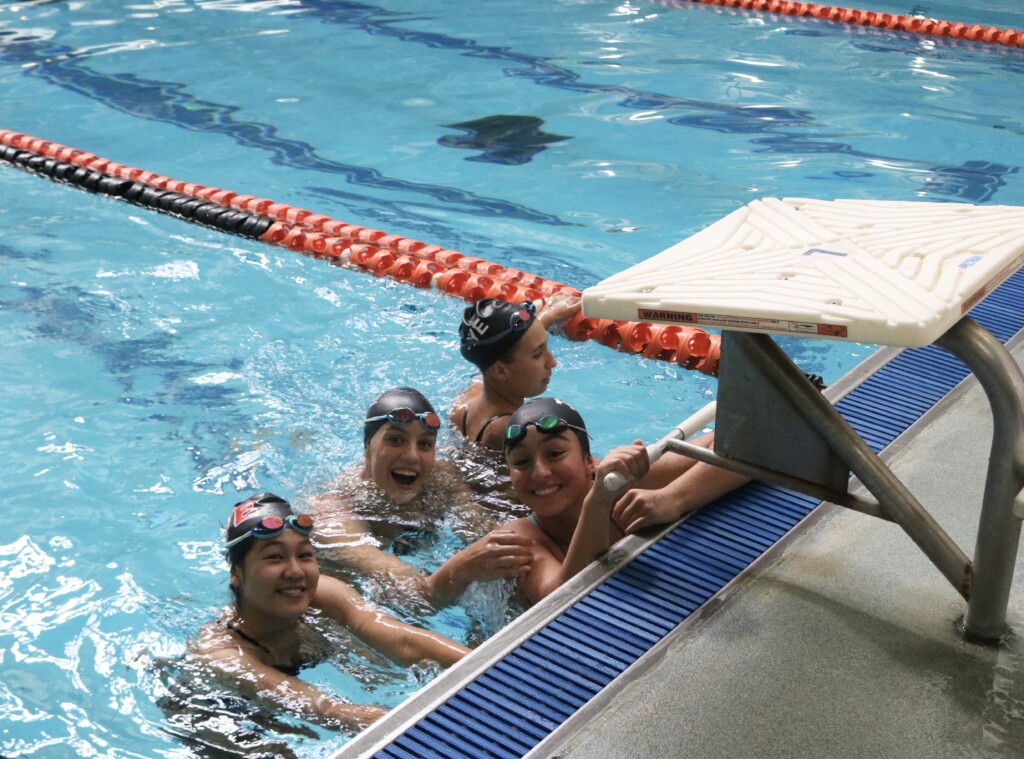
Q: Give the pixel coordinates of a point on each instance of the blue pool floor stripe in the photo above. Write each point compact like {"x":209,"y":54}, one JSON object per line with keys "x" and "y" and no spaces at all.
{"x":521,"y":699}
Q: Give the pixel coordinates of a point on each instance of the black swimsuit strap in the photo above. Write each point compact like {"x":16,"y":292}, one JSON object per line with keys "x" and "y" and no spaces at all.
{"x":480,"y":434}
{"x":288,"y":669}
{"x":245,"y":636}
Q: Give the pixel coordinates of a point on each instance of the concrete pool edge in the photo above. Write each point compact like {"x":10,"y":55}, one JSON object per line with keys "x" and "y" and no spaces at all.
{"x":575,"y":725}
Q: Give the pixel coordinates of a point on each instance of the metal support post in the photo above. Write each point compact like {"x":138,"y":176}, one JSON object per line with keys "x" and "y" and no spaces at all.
{"x":995,"y":552}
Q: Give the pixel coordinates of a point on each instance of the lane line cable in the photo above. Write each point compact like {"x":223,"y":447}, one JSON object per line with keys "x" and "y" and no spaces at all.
{"x":350,"y":245}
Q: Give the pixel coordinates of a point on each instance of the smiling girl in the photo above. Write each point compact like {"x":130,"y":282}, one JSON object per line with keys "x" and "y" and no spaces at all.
{"x":280,"y":618}
{"x":573,"y":518}
{"x":403,"y":493}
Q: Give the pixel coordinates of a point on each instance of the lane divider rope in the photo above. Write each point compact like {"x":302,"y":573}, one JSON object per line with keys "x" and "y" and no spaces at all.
{"x":913,"y":24}
{"x":339,"y":242}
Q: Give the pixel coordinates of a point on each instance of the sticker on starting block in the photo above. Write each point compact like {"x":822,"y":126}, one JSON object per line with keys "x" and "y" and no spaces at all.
{"x":825,"y":252}
{"x":742,"y":323}
{"x":972,"y":300}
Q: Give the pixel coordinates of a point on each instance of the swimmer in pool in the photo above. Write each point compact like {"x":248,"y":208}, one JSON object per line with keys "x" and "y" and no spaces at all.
{"x":573,"y":519}
{"x":403,"y":488}
{"x":508,"y":343}
{"x":281,"y":611}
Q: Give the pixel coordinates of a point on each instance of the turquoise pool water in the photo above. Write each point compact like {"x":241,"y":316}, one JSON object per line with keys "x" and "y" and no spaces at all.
{"x":155,"y":370}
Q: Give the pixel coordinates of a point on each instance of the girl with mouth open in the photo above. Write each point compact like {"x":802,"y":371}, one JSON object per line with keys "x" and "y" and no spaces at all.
{"x":403,"y":490}
{"x":281,"y":616}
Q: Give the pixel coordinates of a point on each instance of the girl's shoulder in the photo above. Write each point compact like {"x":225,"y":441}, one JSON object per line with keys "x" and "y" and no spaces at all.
{"x":217,"y":640}
{"x":529,"y":527}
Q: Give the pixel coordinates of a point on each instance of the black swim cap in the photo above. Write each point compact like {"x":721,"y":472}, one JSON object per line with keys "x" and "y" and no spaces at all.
{"x":490,"y":328}
{"x":389,"y":400}
{"x":536,"y":409}
{"x":246,"y":514}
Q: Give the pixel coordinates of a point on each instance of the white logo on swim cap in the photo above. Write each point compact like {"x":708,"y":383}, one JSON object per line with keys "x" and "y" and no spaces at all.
{"x":477,"y":327}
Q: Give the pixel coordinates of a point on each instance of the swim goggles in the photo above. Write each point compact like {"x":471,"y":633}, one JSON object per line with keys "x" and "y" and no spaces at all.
{"x":273,"y":525}
{"x":404,"y":415}
{"x":517,"y":322}
{"x":549,"y":425}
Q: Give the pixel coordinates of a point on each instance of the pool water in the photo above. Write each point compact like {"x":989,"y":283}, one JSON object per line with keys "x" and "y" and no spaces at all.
{"x":157,"y":371}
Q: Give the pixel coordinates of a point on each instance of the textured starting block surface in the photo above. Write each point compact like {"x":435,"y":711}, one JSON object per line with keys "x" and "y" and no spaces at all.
{"x":883,"y":272}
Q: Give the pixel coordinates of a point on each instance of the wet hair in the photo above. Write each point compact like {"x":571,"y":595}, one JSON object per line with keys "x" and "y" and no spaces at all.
{"x":486,"y":335}
{"x":389,"y":400}
{"x":245,"y":515}
{"x":536,"y":409}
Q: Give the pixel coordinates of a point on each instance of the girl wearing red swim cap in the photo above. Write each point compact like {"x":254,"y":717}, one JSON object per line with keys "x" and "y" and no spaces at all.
{"x":262,"y":640}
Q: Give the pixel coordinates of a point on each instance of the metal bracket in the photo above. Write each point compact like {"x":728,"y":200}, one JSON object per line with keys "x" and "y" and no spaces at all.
{"x":774,"y":424}
{"x":759,"y":424}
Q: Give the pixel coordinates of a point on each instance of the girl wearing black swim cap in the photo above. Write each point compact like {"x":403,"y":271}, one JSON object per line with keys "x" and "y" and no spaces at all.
{"x":574,"y":518}
{"x":553,"y":473}
{"x":403,"y":488}
{"x":400,"y":442}
{"x":508,"y":343}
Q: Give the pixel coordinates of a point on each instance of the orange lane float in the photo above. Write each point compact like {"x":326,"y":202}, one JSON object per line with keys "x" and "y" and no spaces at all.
{"x":372,"y":250}
{"x":913,"y":24}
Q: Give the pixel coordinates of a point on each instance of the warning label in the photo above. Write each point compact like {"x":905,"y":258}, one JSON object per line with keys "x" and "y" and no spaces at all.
{"x":742,"y":323}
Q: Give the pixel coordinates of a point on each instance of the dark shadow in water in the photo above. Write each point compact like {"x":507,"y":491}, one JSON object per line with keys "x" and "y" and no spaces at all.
{"x":146,"y":369}
{"x":504,"y":139}
{"x":975,"y":180}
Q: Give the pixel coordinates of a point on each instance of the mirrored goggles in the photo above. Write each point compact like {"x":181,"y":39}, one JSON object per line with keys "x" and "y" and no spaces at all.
{"x":549,"y":425}
{"x":517,"y":322}
{"x":272,"y":526}
{"x":404,"y":415}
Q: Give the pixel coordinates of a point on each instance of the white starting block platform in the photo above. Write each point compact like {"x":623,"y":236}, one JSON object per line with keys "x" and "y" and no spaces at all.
{"x":902,"y":274}
{"x":883,"y":272}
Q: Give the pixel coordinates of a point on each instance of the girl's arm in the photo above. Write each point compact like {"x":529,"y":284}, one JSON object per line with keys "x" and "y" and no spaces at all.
{"x":344,"y":543}
{"x":262,"y":682}
{"x":501,"y":553}
{"x":592,"y":536}
{"x":680,"y":485}
{"x":400,"y":642}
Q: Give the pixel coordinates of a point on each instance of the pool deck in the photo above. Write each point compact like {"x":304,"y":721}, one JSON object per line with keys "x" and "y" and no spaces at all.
{"x":839,"y":643}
